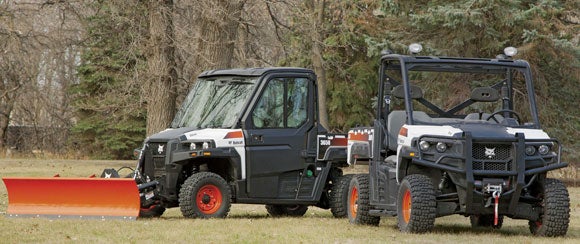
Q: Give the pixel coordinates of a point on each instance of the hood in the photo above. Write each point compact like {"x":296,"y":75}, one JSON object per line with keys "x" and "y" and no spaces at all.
{"x":477,"y":130}
{"x":169,"y":134}
{"x":485,"y":130}
{"x":500,"y":131}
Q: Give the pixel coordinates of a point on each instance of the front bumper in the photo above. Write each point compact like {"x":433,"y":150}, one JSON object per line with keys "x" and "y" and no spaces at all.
{"x":472,"y":171}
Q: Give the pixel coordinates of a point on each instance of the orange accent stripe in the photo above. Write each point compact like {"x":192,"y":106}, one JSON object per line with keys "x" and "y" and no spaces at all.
{"x":339,"y":142}
{"x":72,"y":196}
{"x":234,"y":134}
{"x":403,"y":131}
{"x":358,"y":136}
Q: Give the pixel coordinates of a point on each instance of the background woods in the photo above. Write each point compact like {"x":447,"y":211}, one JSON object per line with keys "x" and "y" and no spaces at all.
{"x":94,"y":78}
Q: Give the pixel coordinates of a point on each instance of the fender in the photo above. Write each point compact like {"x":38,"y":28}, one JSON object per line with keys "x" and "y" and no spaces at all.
{"x":331,"y":147}
{"x":359,"y":146}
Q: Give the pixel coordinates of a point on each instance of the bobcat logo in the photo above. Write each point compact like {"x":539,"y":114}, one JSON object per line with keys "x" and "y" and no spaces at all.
{"x":160,"y":149}
{"x":490,"y":152}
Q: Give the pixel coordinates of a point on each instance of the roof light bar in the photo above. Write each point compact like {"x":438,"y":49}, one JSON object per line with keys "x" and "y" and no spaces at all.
{"x":415,"y":48}
{"x":510,"y":51}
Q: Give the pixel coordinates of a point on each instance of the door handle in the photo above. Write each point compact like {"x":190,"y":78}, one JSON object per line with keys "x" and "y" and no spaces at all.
{"x":257,"y":138}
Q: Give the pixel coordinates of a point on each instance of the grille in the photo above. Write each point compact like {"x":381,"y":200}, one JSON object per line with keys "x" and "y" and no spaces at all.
{"x":158,"y":166}
{"x":158,"y":148}
{"x":159,"y":162}
{"x":496,"y":157}
{"x":499,"y":166}
{"x":491,"y":151}
{"x":157,"y":152}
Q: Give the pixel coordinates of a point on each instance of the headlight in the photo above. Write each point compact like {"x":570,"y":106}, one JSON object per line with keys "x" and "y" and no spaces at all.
{"x":441,"y":147}
{"x":205,"y":145}
{"x":530,"y":150}
{"x":424,"y":146}
{"x":543,"y":149}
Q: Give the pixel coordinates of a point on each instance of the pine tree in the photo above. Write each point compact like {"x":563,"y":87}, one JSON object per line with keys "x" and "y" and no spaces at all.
{"x":110,"y":116}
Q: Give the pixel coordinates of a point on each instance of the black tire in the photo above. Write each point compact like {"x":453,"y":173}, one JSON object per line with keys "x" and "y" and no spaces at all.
{"x":555,"y":205}
{"x":152,"y":211}
{"x":485,"y":221}
{"x":339,"y":196}
{"x":358,"y":206}
{"x":205,"y":195}
{"x":416,"y":206}
{"x":286,"y":210}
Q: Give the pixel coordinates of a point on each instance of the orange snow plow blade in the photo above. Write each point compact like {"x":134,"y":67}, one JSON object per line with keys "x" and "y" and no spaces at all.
{"x":100,"y":198}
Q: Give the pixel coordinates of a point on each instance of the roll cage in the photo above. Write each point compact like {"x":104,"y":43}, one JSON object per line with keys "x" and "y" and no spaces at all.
{"x":406,"y":64}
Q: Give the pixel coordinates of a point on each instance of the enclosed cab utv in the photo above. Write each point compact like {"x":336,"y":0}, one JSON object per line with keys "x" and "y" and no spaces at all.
{"x":457,"y":136}
{"x":244,"y":136}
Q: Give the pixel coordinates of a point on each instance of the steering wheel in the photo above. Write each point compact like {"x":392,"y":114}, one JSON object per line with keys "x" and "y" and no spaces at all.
{"x":509,"y":111}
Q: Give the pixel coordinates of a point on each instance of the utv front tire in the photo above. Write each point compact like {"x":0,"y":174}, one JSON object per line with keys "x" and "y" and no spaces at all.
{"x":205,"y":195}
{"x":555,"y":204}
{"x":416,"y":206}
{"x":286,"y":210}
{"x":339,"y":196}
{"x":358,"y":207}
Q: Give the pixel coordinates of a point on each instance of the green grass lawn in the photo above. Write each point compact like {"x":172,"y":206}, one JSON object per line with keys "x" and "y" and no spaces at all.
{"x":245,"y":223}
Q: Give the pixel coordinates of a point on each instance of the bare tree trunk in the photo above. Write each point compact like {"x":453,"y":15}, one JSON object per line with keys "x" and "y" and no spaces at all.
{"x":160,"y":88}
{"x":5,"y":110}
{"x":37,"y":64}
{"x":317,"y":10}
{"x":219,"y":33}
{"x":7,"y":99}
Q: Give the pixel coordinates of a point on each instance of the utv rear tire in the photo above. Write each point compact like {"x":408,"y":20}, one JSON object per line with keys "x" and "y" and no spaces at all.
{"x":485,"y":221}
{"x":286,"y":210}
{"x":358,"y":202}
{"x":205,"y":195}
{"x":555,"y":204}
{"x":339,"y":196}
{"x":416,"y":206}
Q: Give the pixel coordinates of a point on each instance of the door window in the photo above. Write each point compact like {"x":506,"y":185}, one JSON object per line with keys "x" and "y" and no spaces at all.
{"x":284,"y":104}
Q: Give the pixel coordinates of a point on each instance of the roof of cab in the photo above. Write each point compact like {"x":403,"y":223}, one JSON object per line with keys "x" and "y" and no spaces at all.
{"x":455,"y":64}
{"x":253,"y":71}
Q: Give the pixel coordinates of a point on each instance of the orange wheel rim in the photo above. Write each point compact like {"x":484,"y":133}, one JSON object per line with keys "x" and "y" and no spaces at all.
{"x":406,"y":206}
{"x":209,"y":199}
{"x":353,"y":203}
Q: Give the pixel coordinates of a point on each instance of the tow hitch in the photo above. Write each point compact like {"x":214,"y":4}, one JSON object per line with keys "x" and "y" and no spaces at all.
{"x":495,"y":190}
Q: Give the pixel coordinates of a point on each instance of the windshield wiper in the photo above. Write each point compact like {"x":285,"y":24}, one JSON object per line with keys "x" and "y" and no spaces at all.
{"x":241,"y":82}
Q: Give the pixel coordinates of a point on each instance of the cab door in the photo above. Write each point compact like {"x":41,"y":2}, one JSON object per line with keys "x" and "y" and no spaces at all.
{"x":278,"y":132}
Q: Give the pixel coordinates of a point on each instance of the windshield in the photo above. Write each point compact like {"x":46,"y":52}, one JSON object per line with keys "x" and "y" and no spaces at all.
{"x":215,"y":102}
{"x":466,"y":94}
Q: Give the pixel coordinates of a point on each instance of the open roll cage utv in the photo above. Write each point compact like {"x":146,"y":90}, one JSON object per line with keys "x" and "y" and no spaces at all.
{"x":469,"y":149}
